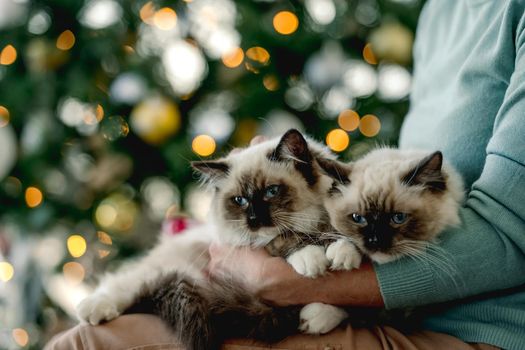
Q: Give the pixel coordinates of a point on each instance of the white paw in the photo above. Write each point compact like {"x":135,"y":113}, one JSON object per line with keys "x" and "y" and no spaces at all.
{"x":319,"y":318}
{"x":343,"y":255}
{"x":309,"y":261}
{"x":97,"y":308}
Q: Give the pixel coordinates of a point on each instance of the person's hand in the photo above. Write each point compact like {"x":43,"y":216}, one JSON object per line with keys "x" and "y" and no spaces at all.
{"x":256,"y":271}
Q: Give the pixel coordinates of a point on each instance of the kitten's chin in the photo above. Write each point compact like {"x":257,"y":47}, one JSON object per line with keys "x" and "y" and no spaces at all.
{"x":382,"y":258}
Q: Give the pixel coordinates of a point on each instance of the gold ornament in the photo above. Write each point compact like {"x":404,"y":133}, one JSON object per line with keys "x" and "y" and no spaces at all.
{"x":155,"y":119}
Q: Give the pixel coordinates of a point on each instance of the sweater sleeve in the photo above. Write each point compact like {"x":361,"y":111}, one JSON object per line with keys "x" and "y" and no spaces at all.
{"x":487,"y":252}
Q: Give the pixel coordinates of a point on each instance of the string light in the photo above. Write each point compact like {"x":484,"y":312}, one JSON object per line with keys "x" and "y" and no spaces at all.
{"x":33,"y":197}
{"x":104,"y":238}
{"x":76,"y":245}
{"x":20,"y":336}
{"x":6,"y":271}
{"x":203,"y":145}
{"x":285,"y":22}
{"x":258,"y":54}
{"x":8,"y":55}
{"x":348,"y":120}
{"x":4,"y":116}
{"x":147,"y":12}
{"x":270,"y":82}
{"x":74,"y":272}
{"x":338,"y":140}
{"x":369,"y":125}
{"x":369,"y":55}
{"x":165,"y":19}
{"x":66,"y":40}
{"x":234,"y":58}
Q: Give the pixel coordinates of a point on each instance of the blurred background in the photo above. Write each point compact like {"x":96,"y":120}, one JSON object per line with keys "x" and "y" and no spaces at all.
{"x":104,"y":102}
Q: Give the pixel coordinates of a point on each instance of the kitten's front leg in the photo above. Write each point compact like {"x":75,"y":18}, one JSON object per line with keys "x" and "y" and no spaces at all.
{"x":343,"y":255}
{"x":319,"y":318}
{"x":309,"y":261}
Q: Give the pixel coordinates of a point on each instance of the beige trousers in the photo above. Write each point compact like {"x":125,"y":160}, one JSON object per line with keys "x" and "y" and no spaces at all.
{"x":147,"y":332}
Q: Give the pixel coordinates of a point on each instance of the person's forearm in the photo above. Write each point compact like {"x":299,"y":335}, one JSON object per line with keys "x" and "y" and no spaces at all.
{"x":357,"y":287}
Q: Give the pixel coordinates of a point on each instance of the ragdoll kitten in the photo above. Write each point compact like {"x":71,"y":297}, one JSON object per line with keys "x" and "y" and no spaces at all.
{"x":389,"y":204}
{"x":267,"y":195}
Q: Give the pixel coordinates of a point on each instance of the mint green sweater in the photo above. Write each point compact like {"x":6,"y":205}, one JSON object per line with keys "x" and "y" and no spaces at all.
{"x":468,"y":100}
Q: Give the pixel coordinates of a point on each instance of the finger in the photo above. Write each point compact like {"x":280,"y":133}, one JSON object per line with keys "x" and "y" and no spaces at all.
{"x":258,"y":139}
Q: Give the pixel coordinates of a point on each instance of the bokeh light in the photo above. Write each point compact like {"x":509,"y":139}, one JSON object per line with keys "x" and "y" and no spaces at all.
{"x":165,"y":18}
{"x":368,"y":54}
{"x":4,"y":116}
{"x":104,"y":238}
{"x":203,"y":145}
{"x":258,"y":54}
{"x":99,"y":14}
{"x":369,"y":125}
{"x":76,"y":245}
{"x":146,"y":13}
{"x":6,"y":271}
{"x":33,"y":197}
{"x":155,"y":119}
{"x":74,"y":272}
{"x":270,"y":82}
{"x":338,"y":140}
{"x":20,"y":336}
{"x":285,"y":22}
{"x":348,"y":120}
{"x":66,"y":40}
{"x":321,"y":11}
{"x":8,"y":55}
{"x":234,"y":58}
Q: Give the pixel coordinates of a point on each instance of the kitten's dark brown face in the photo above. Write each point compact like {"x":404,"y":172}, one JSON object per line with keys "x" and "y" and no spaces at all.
{"x":388,"y":209}
{"x":266,"y":190}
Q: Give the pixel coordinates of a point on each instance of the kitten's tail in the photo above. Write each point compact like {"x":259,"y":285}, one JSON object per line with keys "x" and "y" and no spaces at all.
{"x":204,"y":314}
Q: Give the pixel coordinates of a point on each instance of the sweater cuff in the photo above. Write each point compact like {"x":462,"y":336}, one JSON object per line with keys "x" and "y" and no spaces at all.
{"x":404,"y":283}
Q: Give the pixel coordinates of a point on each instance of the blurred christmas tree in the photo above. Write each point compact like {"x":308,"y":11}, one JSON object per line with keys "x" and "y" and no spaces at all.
{"x":103,"y":103}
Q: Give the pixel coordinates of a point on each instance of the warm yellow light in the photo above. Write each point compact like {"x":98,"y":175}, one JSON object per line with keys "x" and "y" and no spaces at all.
{"x":203,"y":145}
{"x":369,"y":55}
{"x":6,"y":271}
{"x":106,"y":215}
{"x":271,"y":83}
{"x":338,"y":140}
{"x":66,"y":40}
{"x":102,"y":253}
{"x":165,"y":18}
{"x":234,"y":58}
{"x":4,"y":116}
{"x":285,"y":22}
{"x":20,"y":336}
{"x":370,"y":125}
{"x":33,"y":197}
{"x":348,"y":120}
{"x":258,"y":54}
{"x":76,"y":245}
{"x":8,"y":55}
{"x":73,"y":272}
{"x":104,"y":238}
{"x":147,"y":12}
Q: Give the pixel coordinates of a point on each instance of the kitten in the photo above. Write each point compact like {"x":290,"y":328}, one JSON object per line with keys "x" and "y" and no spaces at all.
{"x":266,"y":195}
{"x":389,"y":204}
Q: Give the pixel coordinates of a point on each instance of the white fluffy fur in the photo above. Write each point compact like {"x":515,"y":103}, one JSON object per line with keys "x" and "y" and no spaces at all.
{"x":188,"y":252}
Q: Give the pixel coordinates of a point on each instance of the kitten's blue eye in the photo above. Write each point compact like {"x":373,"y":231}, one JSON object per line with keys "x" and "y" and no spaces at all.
{"x":358,"y":219}
{"x":240,"y":201}
{"x":272,"y":191}
{"x":399,"y":218}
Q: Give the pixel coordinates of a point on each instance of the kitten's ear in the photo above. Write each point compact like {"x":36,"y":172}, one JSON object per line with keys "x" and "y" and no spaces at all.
{"x":292,"y":146}
{"x":428,"y":173}
{"x":211,"y":170}
{"x":337,"y":170}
